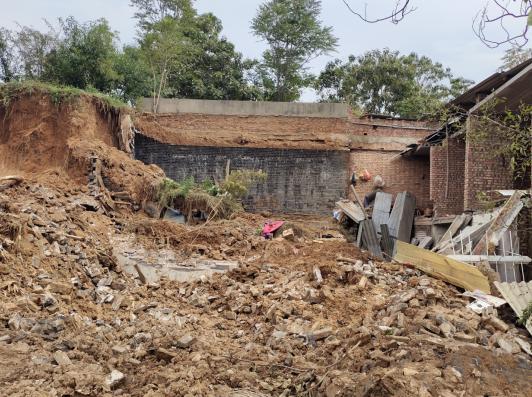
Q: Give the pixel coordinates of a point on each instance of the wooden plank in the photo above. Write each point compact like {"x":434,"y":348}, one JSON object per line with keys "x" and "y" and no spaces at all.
{"x":370,"y":240}
{"x":360,"y":203}
{"x":381,"y":209}
{"x":352,"y":210}
{"x":439,"y":266}
{"x":500,"y":224}
{"x":387,"y":242}
{"x":491,"y":258}
{"x":359,"y":235}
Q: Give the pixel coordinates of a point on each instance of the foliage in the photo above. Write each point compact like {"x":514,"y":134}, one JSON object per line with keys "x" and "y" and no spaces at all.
{"x":219,"y":200}
{"x":527,"y":313}
{"x":385,"y":82}
{"x":33,"y":47}
{"x":169,"y":190}
{"x":7,"y":56}
{"x":134,"y":75}
{"x":162,"y":47}
{"x":295,"y":35}
{"x":514,"y":56}
{"x":213,"y":68}
{"x":197,"y":62}
{"x":511,"y":129}
{"x":57,"y":93}
{"x":238,"y":182}
{"x":84,"y":57}
{"x":150,"y":12}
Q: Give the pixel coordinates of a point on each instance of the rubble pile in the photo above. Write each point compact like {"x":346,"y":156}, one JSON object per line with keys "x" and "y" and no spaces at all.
{"x":299,"y":317}
{"x":307,"y":314}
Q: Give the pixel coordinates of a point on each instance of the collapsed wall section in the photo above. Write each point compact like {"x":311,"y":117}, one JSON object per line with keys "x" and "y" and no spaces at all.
{"x":299,"y":180}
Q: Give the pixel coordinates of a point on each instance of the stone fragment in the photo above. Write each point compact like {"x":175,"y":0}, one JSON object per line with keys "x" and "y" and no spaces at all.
{"x":229,"y":315}
{"x":508,"y":345}
{"x":119,"y":349}
{"x":447,"y":329}
{"x":524,"y":345}
{"x":407,"y":371}
{"x":185,"y":341}
{"x":61,"y":358}
{"x":319,"y":334}
{"x":165,"y":354}
{"x":408,"y":296}
{"x":114,"y":378}
{"x":497,"y":323}
{"x":363,"y":282}
{"x":463,"y":337}
{"x":288,"y":234}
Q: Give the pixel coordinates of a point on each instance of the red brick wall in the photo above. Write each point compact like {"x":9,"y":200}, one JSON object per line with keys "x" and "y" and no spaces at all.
{"x":485,"y":169}
{"x":399,"y":174}
{"x":447,"y":180}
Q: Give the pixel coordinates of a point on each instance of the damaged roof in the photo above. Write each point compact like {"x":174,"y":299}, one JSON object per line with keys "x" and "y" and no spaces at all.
{"x":513,"y":85}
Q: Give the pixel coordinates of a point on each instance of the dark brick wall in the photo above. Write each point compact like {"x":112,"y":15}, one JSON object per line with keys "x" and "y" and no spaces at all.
{"x":303,"y":181}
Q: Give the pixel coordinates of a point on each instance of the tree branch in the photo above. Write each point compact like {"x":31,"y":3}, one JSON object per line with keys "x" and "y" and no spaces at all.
{"x":401,"y":9}
{"x":502,"y":14}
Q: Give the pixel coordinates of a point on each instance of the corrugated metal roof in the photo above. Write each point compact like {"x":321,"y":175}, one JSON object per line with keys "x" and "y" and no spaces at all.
{"x":518,"y":296}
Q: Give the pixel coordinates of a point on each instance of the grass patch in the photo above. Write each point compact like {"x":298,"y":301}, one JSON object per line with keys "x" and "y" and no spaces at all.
{"x":527,"y":313}
{"x":218,"y":200}
{"x":57,"y":93}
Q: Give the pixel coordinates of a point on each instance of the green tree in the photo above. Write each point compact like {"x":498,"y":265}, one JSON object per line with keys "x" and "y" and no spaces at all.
{"x":163,"y":46}
{"x":213,"y":69}
{"x":199,"y":62}
{"x":384,"y":82}
{"x":85,"y":56}
{"x":295,"y":35}
{"x":515,"y":55}
{"x":150,"y":12}
{"x":33,"y":47}
{"x":134,"y":75}
{"x":8,"y":62}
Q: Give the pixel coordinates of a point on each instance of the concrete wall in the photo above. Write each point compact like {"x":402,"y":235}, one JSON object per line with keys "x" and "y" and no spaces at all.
{"x":447,"y":177}
{"x":246,"y":108}
{"x":299,"y":181}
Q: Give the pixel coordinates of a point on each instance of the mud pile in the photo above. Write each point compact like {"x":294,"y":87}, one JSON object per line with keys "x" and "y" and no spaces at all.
{"x":307,"y":315}
{"x":41,"y":132}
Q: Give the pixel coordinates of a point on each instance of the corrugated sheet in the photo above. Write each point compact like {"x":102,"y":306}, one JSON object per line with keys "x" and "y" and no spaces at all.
{"x":518,"y":296}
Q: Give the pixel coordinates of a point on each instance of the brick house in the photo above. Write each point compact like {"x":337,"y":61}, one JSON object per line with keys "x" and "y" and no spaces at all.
{"x":461,"y":167}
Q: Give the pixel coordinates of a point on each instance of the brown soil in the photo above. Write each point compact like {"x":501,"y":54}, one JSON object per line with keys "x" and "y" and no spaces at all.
{"x":70,"y":316}
{"x":245,"y":131}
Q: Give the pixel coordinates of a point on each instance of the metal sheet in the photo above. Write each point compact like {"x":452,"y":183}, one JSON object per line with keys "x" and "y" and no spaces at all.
{"x":518,"y":296}
{"x":381,"y":209}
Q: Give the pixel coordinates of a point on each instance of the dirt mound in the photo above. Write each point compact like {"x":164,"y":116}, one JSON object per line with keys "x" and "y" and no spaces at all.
{"x":245,"y":131}
{"x":41,"y":131}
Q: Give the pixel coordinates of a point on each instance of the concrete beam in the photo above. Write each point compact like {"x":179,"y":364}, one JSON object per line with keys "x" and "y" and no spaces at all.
{"x":246,"y":108}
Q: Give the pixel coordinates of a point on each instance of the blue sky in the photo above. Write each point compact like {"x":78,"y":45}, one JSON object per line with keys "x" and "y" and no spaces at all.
{"x":438,"y":29}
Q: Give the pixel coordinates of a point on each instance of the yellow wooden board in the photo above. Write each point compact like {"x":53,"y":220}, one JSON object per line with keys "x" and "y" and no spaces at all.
{"x":439,"y":266}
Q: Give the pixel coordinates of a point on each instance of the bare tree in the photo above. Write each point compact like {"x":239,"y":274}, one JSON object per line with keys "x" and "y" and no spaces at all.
{"x":499,"y":14}
{"x":401,"y":9}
